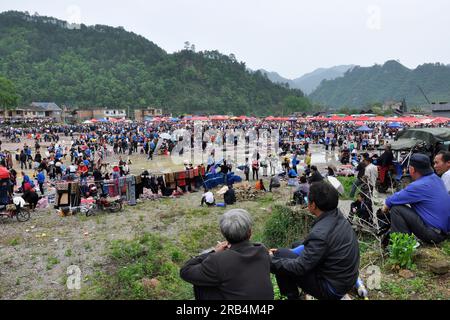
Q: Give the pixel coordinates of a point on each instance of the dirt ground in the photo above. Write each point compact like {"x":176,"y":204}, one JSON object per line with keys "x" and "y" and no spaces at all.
{"x":34,"y":255}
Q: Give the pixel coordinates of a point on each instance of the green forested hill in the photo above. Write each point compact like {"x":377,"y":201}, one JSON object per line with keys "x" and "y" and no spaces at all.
{"x":101,"y":66}
{"x":392,"y":81}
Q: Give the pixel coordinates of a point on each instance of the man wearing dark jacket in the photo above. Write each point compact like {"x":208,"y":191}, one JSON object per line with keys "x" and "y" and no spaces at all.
{"x":229,"y":196}
{"x":236,"y":269}
{"x":327,"y":268}
{"x":385,"y":162}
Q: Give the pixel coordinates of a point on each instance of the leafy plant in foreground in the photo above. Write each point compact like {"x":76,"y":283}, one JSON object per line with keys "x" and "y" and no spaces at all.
{"x":401,"y":249}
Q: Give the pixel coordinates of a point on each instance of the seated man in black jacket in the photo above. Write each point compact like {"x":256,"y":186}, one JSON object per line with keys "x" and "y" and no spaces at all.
{"x":235,"y":269}
{"x":230,"y":196}
{"x":327,"y":268}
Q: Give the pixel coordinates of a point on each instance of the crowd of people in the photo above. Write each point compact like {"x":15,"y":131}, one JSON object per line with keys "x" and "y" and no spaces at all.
{"x":325,"y":264}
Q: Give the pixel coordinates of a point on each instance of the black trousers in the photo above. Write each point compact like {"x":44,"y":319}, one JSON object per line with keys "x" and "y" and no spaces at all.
{"x":311,"y":283}
{"x":406,"y":220}
{"x":255,"y":171}
{"x":41,"y":188}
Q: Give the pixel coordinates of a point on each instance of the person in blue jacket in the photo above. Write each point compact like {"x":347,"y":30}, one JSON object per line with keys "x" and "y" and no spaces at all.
{"x":428,"y":216}
{"x":41,"y":179}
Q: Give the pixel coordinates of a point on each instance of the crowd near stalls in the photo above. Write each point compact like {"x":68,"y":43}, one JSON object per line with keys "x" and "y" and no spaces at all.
{"x":94,"y":161}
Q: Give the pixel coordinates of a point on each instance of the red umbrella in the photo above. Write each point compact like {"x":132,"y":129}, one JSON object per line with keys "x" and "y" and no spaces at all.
{"x":377,"y":118}
{"x":199,"y":118}
{"x":440,"y":120}
{"x":219,"y":118}
{"x":94,"y":120}
{"x":269,"y":118}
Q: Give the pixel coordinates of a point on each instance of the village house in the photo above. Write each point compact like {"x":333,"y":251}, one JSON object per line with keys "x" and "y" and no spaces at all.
{"x":440,"y":110}
{"x":36,"y":110}
{"x":146,"y":114}
{"x":103,"y":113}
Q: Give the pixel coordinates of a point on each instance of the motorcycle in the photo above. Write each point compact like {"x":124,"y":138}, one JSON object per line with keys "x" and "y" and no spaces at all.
{"x":104,"y":203}
{"x":16,"y":210}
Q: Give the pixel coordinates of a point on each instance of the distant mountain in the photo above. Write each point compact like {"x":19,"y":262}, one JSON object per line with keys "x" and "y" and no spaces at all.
{"x":100,"y":66}
{"x":276,"y":78}
{"x":310,"y":81}
{"x":361,"y":86}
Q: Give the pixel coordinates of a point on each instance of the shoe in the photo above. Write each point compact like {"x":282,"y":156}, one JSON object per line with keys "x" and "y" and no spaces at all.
{"x":385,"y":239}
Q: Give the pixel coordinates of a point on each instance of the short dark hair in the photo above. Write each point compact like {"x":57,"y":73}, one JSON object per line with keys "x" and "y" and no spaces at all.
{"x":445,"y":155}
{"x":303,"y":179}
{"x":421,"y":171}
{"x":324,"y":195}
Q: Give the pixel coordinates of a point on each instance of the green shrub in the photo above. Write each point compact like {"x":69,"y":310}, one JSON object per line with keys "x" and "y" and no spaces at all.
{"x":347,"y":183}
{"x":446,"y":247}
{"x":285,"y":226}
{"x":401,"y":249}
{"x":144,"y":268}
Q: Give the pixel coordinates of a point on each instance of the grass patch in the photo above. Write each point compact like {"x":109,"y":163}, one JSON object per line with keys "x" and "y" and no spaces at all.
{"x":195,"y":212}
{"x":446,"y":247}
{"x":406,"y":289}
{"x":51,"y":262}
{"x":266,"y":199}
{"x":14,"y":242}
{"x":68,"y":253}
{"x":200,"y":238}
{"x":144,"y":268}
{"x":285,"y":226}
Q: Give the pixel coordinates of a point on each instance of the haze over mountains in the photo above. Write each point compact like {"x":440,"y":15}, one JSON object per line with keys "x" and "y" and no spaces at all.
{"x":391,"y":81}
{"x":356,"y":86}
{"x":310,"y":81}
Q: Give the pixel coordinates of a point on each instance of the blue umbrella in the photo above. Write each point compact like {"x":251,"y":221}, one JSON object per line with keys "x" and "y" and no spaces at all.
{"x":395,"y":125}
{"x":364,"y":129}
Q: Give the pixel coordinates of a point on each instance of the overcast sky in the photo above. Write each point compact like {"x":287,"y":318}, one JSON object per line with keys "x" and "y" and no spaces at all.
{"x":291,"y":37}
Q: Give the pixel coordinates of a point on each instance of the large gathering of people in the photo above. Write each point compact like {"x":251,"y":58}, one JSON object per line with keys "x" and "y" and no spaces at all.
{"x":325,"y":264}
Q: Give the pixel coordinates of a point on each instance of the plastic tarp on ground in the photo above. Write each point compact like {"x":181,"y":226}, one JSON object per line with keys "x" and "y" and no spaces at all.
{"x":428,"y":135}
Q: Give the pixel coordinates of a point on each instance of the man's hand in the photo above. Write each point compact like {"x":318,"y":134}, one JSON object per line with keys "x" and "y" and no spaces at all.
{"x":272,"y":251}
{"x":221,"y":246}
{"x":385,"y":208}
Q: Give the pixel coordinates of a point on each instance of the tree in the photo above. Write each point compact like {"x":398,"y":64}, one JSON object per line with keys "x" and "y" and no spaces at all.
{"x":8,"y":94}
{"x":296,"y":104}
